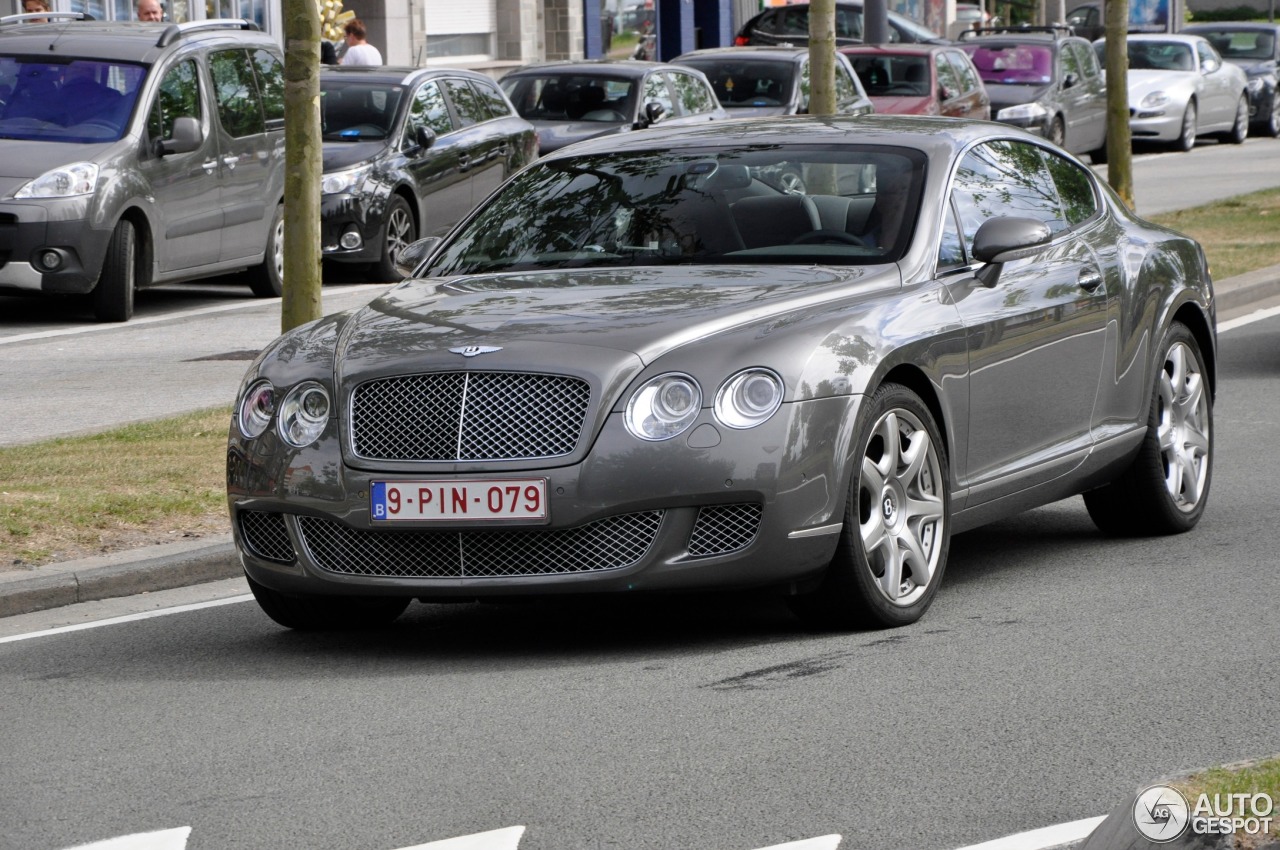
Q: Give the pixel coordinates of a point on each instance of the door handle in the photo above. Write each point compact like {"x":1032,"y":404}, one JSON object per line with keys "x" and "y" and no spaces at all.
{"x":230,"y":162}
{"x":464,"y":162}
{"x":1090,"y":279}
{"x":209,"y":165}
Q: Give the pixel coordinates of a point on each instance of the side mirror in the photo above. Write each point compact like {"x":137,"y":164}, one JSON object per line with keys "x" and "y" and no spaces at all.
{"x":1002,"y":240}
{"x":1070,"y":80}
{"x":186,"y":137}
{"x":424,"y":136}
{"x":1209,"y":66}
{"x":947,"y":93}
{"x":415,"y":254}
{"x":653,"y":113}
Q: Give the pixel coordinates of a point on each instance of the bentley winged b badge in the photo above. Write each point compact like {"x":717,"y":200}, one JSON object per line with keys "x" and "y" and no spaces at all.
{"x":473,"y":350}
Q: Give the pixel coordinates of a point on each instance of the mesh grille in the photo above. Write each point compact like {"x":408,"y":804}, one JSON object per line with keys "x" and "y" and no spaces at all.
{"x":608,"y":544}
{"x":266,"y":536}
{"x":724,"y":528}
{"x":447,"y":416}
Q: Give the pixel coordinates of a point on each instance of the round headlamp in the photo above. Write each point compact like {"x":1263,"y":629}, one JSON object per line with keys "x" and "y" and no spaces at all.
{"x":257,"y":409}
{"x":664,"y":407}
{"x":749,"y":398}
{"x":303,"y":414}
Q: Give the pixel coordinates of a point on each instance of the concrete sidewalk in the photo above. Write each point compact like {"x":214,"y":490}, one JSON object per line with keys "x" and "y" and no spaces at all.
{"x":173,"y":565}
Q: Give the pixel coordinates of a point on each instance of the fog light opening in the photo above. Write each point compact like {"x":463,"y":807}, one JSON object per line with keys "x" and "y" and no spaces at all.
{"x":49,"y":261}
{"x":351,"y":240}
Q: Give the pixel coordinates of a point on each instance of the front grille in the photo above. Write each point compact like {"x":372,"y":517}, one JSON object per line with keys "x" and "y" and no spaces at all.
{"x":607,"y":544}
{"x":450,"y":416}
{"x":266,"y":536}
{"x":720,"y":529}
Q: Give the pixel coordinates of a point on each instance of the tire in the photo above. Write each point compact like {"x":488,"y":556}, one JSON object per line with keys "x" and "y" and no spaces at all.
{"x":1187,"y":137}
{"x":1272,"y":126}
{"x":399,"y":233}
{"x":898,"y":514}
{"x":113,"y":296}
{"x":1240,"y":129}
{"x":1098,"y":156}
{"x":324,"y":613}
{"x":792,"y":182}
{"x":267,"y":279}
{"x":1057,"y":131}
{"x":1165,"y":489}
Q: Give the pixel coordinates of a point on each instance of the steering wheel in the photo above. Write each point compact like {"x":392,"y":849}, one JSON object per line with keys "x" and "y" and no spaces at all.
{"x":828,"y":237}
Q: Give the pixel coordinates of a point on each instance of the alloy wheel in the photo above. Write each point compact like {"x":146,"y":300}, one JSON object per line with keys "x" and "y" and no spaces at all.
{"x":399,"y":227}
{"x":1183,"y":427}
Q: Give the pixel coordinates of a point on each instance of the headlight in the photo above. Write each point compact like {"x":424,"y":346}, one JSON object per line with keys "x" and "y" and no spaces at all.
{"x":1255,"y":85}
{"x":664,"y":407}
{"x":257,"y":409}
{"x":1156,"y":98}
{"x":343,"y":181}
{"x":1022,"y":112}
{"x":303,"y":414}
{"x":66,"y":182}
{"x":749,"y":398}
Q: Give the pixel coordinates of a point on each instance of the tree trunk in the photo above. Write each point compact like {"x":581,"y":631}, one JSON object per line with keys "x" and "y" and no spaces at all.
{"x":822,"y":57}
{"x":1119,"y":137}
{"x":302,"y":156}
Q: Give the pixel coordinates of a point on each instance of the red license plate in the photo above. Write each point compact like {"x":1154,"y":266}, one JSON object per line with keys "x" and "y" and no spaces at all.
{"x":459,"y":499}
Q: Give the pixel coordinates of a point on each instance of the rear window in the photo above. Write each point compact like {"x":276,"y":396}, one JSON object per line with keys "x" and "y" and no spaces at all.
{"x":67,"y":100}
{"x":739,"y":84}
{"x":1020,"y":64}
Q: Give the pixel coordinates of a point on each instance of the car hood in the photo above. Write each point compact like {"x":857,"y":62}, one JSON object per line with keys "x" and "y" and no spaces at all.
{"x":1254,"y":68}
{"x":902,"y":105}
{"x":22,"y":160}
{"x":604,"y":322}
{"x":1142,"y":83}
{"x":553,"y":135}
{"x":339,"y":155}
{"x":1003,"y":96}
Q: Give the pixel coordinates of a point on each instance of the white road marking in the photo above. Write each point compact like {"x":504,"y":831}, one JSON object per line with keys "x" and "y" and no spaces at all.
{"x":167,"y":839}
{"x":498,"y":839}
{"x":1043,"y":838}
{"x":826,"y":842}
{"x":129,"y":618}
{"x":1255,"y":316}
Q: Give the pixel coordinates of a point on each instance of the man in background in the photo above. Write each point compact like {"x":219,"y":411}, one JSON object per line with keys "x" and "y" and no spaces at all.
{"x":359,"y":51}
{"x":30,"y":7}
{"x":150,"y":10}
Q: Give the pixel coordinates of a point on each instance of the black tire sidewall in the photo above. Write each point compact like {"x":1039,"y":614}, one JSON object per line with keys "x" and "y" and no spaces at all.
{"x":386,"y":267}
{"x":113,"y":294}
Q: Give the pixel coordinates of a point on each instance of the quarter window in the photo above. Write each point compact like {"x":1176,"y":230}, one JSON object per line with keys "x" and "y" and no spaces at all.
{"x":270,"y":72}
{"x":236,"y":92}
{"x":179,"y":96}
{"x":468,"y":106}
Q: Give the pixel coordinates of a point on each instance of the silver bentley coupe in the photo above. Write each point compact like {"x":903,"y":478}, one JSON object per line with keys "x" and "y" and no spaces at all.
{"x":647,"y":363}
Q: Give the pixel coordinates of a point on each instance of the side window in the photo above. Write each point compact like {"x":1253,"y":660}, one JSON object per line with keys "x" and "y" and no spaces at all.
{"x":492,"y":99}
{"x":466,"y":103}
{"x":1075,"y":189}
{"x":692,"y":97}
{"x":179,"y":96}
{"x":1068,"y":63}
{"x":427,"y":110}
{"x":846,"y":88}
{"x":271,"y":86}
{"x":655,"y":88}
{"x":236,"y":92}
{"x":947,"y":76}
{"x":1088,"y":60}
{"x":965,"y":72}
{"x":1207,"y":54}
{"x":1004,"y":178}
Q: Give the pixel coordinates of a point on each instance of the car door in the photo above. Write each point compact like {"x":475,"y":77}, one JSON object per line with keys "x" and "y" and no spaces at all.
{"x":1219,"y":96}
{"x":949,"y":88}
{"x":442,"y":185}
{"x":1035,"y":339}
{"x":482,"y":149}
{"x":185,"y":186}
{"x":1094,"y":81}
{"x":1080,"y":107}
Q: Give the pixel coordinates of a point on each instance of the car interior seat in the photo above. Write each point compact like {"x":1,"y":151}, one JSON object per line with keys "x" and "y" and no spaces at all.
{"x":770,"y":220}
{"x":553,"y":102}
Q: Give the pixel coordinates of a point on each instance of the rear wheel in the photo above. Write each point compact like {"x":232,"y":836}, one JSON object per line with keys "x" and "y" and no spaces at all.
{"x":400,"y":233}
{"x":316,"y":613}
{"x":1187,"y":137}
{"x":1165,"y":489}
{"x":267,"y":280}
{"x":893,"y":547}
{"x":113,"y":296}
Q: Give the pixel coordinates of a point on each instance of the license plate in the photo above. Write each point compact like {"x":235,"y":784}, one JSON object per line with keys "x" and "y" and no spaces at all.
{"x":460,"y":499}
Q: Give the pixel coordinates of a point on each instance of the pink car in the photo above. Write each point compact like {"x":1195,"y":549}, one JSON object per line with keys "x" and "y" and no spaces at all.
{"x":920,"y":79}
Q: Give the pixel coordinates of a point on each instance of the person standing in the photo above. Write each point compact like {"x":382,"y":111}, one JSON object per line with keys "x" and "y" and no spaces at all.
{"x":31,"y":7}
{"x":359,"y":51}
{"x":150,"y":10}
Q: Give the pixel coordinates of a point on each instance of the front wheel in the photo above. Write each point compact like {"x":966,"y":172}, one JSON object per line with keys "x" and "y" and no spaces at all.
{"x":1240,"y":129}
{"x":1187,"y":136}
{"x":113,"y":296}
{"x":897,"y":524}
{"x":323,"y":613}
{"x":400,"y":233}
{"x":1057,"y":131}
{"x":1165,"y":489}
{"x":1272,"y":126}
{"x":267,"y":279}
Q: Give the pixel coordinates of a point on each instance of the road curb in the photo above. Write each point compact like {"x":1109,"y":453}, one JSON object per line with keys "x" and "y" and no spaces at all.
{"x":1248,"y":288}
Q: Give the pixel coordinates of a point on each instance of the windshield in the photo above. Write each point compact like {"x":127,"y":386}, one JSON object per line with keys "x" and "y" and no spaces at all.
{"x":571,"y":97}
{"x":1241,"y":44}
{"x":772,"y":204}
{"x":1020,"y":64}
{"x":892,"y":76}
{"x":741,"y":84}
{"x":66,"y":100}
{"x":1160,"y":56}
{"x":357,"y":112}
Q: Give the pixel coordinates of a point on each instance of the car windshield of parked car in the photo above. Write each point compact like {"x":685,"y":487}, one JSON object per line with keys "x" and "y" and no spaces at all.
{"x":657,"y":207}
{"x":741,"y":85}
{"x":1006,"y":65}
{"x":353,"y":111}
{"x":1241,"y":44}
{"x":571,"y":97}
{"x":1160,"y":56}
{"x":893,"y":76}
{"x":65,"y":99}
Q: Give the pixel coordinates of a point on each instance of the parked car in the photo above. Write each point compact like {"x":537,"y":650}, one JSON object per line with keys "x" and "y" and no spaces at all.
{"x":138,"y":155}
{"x":789,"y":25}
{"x":1254,"y":47}
{"x":1088,"y":21}
{"x":407,"y":153}
{"x":761,"y":81}
{"x":1047,"y":81}
{"x":1181,"y":89}
{"x":640,"y":368}
{"x":920,"y":79}
{"x":572,"y":101}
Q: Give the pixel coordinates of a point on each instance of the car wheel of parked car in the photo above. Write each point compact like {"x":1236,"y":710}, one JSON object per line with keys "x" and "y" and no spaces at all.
{"x":893,"y":548}
{"x":267,"y":279}
{"x":1165,"y":490}
{"x":113,"y":296}
{"x":1187,"y":138}
{"x":314,"y":613}
{"x":1098,"y":156}
{"x":1240,"y":129}
{"x":1272,"y":127}
{"x":400,"y":234}
{"x":1057,"y":131}
{"x":791,"y":180}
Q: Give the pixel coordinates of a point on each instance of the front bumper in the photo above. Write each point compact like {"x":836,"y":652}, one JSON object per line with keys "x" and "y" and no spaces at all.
{"x":361,"y":215}
{"x":1261,"y":103}
{"x":714,"y":508}
{"x":1159,"y":124}
{"x":30,"y":236}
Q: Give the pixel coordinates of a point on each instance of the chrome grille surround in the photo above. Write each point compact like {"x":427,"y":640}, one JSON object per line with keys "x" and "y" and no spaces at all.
{"x":468,"y":416}
{"x":720,"y":529}
{"x":607,"y":544}
{"x":265,"y":535}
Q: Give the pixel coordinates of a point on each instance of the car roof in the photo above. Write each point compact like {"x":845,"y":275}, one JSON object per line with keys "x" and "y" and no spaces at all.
{"x":762,"y":51}
{"x":1043,"y":39}
{"x":394,"y":75}
{"x":124,"y":41}
{"x":899,"y":48}
{"x":595,"y":67}
{"x":1257,"y":26}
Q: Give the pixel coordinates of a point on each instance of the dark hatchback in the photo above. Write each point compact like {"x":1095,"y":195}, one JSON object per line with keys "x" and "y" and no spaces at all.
{"x":1045,"y":81}
{"x":1255,"y":47}
{"x":408,"y":153}
{"x":762,"y":81}
{"x":572,"y":101}
{"x":789,"y":25}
